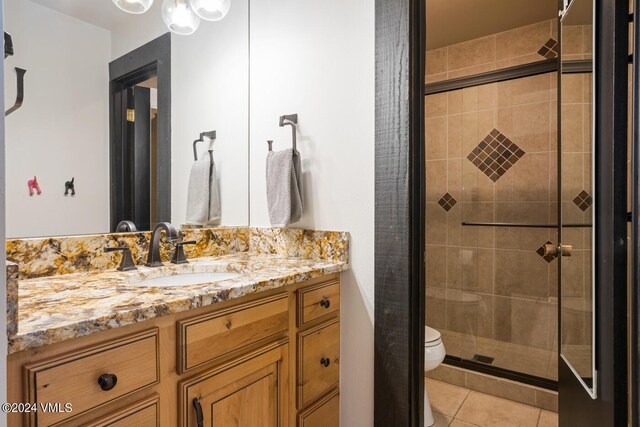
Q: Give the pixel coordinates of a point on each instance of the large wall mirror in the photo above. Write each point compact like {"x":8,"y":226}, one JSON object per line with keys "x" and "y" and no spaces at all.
{"x":577,"y":198}
{"x":112,"y":105}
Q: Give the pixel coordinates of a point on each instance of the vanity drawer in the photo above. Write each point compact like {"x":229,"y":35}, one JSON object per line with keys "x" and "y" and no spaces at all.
{"x":125,"y":366}
{"x":141,"y":414}
{"x":205,"y":338}
{"x":324,"y":413}
{"x":318,"y":362}
{"x":318,"y":301}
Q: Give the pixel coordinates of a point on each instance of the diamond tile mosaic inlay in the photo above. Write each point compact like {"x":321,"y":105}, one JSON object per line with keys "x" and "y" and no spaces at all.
{"x":540,"y":252}
{"x":550,"y":49}
{"x":447,"y":202}
{"x":583,"y":200}
{"x":495,"y":155}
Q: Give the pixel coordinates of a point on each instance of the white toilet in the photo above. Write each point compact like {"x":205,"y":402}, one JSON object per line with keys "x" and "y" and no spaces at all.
{"x":433,"y":356}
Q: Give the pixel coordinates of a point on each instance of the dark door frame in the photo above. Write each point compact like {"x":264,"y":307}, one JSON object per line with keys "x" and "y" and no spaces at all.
{"x":611,"y":119}
{"x":399,"y":213}
{"x":151,"y":59}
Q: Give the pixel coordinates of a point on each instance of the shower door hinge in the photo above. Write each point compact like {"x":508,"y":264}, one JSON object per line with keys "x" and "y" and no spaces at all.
{"x":131,"y":115}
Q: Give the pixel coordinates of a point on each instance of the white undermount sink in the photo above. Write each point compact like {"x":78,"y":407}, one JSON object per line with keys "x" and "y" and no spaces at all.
{"x":188,"y":279}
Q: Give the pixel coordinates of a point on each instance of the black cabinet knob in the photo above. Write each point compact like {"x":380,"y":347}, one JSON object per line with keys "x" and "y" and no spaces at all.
{"x":325,"y":362}
{"x":107,"y":381}
{"x":326,"y":303}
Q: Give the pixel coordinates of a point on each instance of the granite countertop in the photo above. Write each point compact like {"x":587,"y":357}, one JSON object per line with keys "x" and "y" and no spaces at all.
{"x":58,"y":308}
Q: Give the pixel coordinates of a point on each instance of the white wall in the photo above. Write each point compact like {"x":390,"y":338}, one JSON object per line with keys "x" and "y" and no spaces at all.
{"x":210,"y":90}
{"x":61,"y":131}
{"x":132,"y":31}
{"x":316,"y":58}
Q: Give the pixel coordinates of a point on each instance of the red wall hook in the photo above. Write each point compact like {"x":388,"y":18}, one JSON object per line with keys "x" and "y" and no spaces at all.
{"x":33,"y":185}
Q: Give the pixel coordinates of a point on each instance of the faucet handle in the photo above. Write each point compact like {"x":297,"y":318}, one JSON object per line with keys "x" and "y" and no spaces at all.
{"x":179,"y":257}
{"x":126,"y":264}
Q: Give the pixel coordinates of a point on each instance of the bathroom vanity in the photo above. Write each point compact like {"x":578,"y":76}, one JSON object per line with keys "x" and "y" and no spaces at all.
{"x":260,"y":346}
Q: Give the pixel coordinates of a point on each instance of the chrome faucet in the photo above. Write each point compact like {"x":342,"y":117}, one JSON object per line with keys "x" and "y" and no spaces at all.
{"x":153,"y":259}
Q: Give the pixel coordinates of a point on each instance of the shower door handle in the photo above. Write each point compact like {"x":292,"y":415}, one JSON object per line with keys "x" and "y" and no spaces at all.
{"x":557,"y":250}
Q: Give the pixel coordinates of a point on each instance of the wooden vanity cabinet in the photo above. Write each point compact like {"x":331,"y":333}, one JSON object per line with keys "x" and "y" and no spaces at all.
{"x":268,"y":359}
{"x":249,"y":391}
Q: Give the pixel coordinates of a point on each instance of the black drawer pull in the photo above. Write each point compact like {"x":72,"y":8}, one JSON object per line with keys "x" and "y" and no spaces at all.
{"x":325,"y":362}
{"x":199,"y":415}
{"x":107,"y":381}
{"x":326,"y":303}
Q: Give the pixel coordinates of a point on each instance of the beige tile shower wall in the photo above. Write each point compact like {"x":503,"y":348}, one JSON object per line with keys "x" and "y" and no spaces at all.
{"x":485,"y":281}
{"x":501,"y":50}
{"x":490,"y":282}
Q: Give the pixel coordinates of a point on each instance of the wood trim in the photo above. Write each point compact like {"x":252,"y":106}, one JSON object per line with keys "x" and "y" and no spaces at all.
{"x":183,"y":326}
{"x":399,"y":213}
{"x":30,"y":371}
{"x":119,"y":415}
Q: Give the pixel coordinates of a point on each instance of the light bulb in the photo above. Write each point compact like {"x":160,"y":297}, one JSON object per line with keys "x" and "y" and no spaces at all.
{"x":179,"y":17}
{"x":134,"y":6}
{"x":211,"y":10}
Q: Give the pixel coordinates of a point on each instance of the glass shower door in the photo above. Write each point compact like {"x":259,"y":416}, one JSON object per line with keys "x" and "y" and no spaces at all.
{"x":576,"y":195}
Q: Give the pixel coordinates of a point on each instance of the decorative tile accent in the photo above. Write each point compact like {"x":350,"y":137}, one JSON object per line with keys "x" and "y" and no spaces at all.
{"x":540,"y":252}
{"x":447,"y":202}
{"x":583,"y":200}
{"x":495,"y":155}
{"x":550,"y":49}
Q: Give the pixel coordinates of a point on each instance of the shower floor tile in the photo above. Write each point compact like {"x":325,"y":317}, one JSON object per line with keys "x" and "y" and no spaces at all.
{"x":482,"y":410}
{"x":515,"y":357}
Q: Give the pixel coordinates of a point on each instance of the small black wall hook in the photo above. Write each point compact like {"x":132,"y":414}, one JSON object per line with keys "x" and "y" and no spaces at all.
{"x":20,"y":93}
{"x":70,"y":186}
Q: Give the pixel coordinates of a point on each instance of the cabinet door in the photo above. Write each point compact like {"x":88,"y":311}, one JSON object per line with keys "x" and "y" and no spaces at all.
{"x":252,"y":390}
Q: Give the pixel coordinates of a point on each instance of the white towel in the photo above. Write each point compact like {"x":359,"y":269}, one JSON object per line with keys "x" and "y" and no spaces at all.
{"x":203,"y":196}
{"x":284,"y":187}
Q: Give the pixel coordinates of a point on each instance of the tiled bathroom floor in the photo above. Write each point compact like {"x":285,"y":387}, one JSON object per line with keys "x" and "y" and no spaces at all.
{"x":455,"y":406}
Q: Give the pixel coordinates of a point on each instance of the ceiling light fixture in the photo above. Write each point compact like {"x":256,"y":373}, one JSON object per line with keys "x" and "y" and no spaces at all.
{"x":180,"y":17}
{"x":211,"y":10}
{"x":134,"y":6}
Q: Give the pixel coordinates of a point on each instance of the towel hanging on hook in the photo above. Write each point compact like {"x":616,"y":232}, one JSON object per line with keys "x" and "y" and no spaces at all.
{"x":212,"y":136}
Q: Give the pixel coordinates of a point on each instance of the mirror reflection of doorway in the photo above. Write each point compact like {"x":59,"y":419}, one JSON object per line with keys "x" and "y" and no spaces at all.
{"x":140,"y":136}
